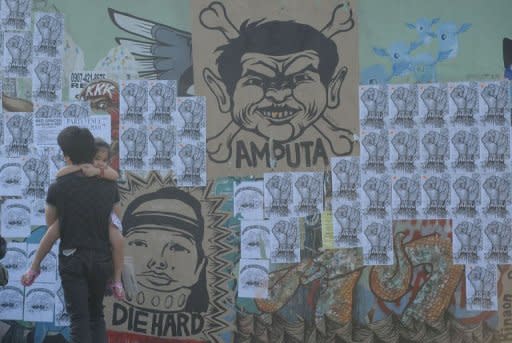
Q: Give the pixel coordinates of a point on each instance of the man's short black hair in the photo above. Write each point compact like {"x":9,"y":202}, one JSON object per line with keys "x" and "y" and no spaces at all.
{"x":77,"y":143}
{"x":101,"y":144}
{"x":275,"y":38}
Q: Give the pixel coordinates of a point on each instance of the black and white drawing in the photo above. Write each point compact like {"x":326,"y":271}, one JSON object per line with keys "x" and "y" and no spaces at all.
{"x":48,"y":34}
{"x":255,"y":239}
{"x":496,"y":197}
{"x":435,"y":150}
{"x":47,"y":80}
{"x":498,"y":241}
{"x":403,"y":105}
{"x":16,"y":260}
{"x":466,"y":195}
{"x":248,"y":199}
{"x":17,"y":55}
{"x":405,"y":152}
{"x":481,"y":287}
{"x":467,"y":242}
{"x":57,"y":162}
{"x":11,"y":301}
{"x":377,"y":200}
{"x":191,"y":167}
{"x":162,"y":94}
{"x":284,"y":240}
{"x":15,"y":218}
{"x":495,"y":149}
{"x":191,"y":118}
{"x":347,"y":227}
{"x":406,"y":197}
{"x":48,"y":265}
{"x":465,"y":146}
{"x":253,"y":280}
{"x":38,"y":212}
{"x":100,"y":126}
{"x":464,"y":103}
{"x":16,"y":14}
{"x":496,"y":97}
{"x":373,"y":106}
{"x":278,"y":194}
{"x":18,"y":133}
{"x":47,"y":123}
{"x":133,"y":103}
{"x":377,"y":243}
{"x":346,"y":178}
{"x":39,"y":302}
{"x":162,"y":148}
{"x":436,"y":196}
{"x":133,"y":148}
{"x":37,"y":171}
{"x":308,"y":193}
{"x":12,"y":177}
{"x":75,"y":112}
{"x":433,"y":107}
{"x":375,"y":152}
{"x":61,"y":315}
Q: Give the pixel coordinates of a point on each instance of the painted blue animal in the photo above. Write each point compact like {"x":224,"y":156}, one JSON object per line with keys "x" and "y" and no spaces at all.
{"x":447,"y":35}
{"x":400,"y":55}
{"x":423,"y":27}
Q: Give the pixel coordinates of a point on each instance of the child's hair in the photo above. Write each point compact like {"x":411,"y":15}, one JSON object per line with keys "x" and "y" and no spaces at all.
{"x":101,"y":144}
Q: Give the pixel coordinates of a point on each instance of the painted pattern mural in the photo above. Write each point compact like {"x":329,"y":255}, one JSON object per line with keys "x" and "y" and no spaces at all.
{"x":276,"y":104}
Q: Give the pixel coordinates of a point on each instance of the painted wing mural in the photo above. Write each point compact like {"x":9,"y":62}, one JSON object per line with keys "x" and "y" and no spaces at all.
{"x":161,"y":52}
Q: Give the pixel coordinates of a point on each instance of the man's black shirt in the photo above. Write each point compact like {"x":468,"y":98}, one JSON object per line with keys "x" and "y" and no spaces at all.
{"x":83,"y":208}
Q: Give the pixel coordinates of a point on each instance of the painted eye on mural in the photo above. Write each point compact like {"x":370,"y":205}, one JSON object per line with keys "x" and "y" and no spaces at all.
{"x":443,"y":36}
{"x":253,"y":81}
{"x":396,"y":55}
{"x":102,"y":105}
{"x":301,"y":78}
{"x":421,"y":28}
{"x":178,"y":248}
{"x":138,"y":243}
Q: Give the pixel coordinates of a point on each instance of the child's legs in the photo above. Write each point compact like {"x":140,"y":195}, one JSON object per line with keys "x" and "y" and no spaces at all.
{"x":117,"y":241}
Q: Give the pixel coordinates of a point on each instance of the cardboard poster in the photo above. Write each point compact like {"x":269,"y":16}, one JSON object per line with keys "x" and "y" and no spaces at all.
{"x":189,"y":232}
{"x":275,"y":113}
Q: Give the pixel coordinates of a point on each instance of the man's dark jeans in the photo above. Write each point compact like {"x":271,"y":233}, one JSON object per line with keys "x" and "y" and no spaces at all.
{"x":84,"y":277}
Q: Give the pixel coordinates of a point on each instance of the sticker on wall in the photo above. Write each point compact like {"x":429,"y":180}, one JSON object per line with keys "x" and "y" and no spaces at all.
{"x":16,"y":14}
{"x":39,"y":302}
{"x":284,"y":240}
{"x":47,"y":80}
{"x":16,"y":218}
{"x":433,"y":104}
{"x":248,"y":199}
{"x":162,"y":101}
{"x":48,"y":122}
{"x":467,"y":241}
{"x":481,"y":287}
{"x":347,"y":224}
{"x":255,"y":239}
{"x":18,"y":134}
{"x":17,"y":54}
{"x":253,"y":279}
{"x":11,"y":301}
{"x":48,"y":35}
{"x":16,"y":260}
{"x":278,"y":195}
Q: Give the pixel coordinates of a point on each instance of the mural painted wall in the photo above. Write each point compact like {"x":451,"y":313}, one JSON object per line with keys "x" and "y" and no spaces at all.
{"x":207,"y":277}
{"x":435,"y":41}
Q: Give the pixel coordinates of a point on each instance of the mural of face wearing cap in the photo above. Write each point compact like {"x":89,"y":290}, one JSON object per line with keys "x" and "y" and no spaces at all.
{"x":164,"y":232}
